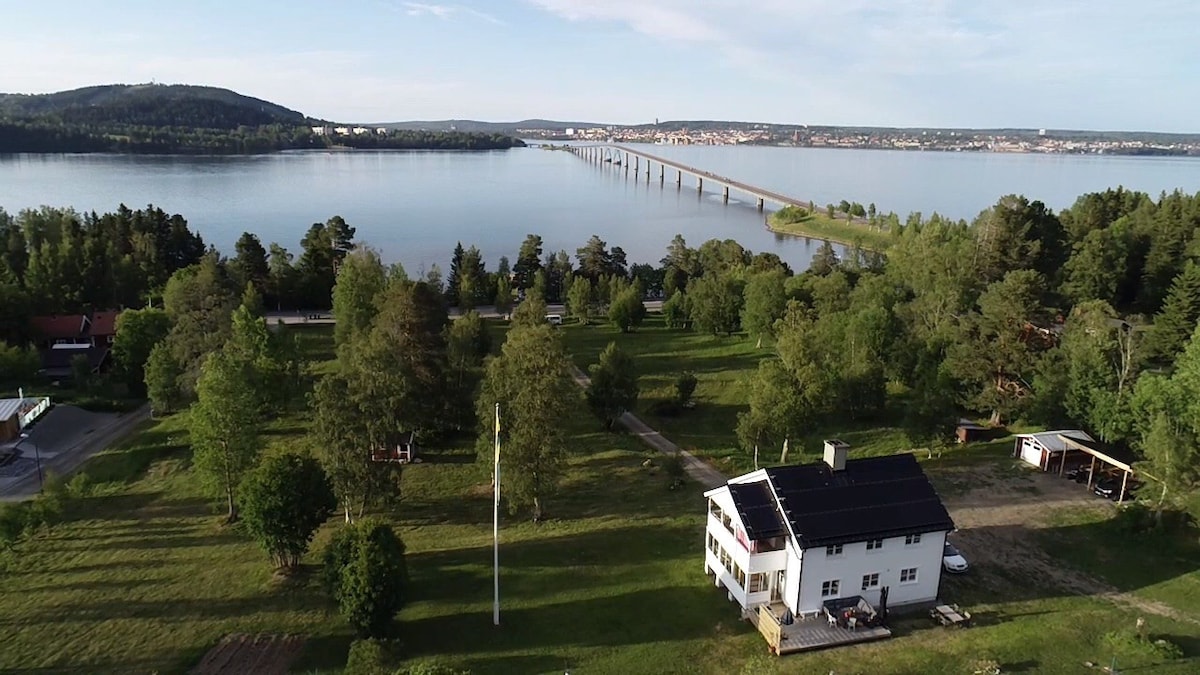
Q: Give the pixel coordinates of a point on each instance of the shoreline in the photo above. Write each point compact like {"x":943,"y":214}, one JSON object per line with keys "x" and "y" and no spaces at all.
{"x":843,"y":234}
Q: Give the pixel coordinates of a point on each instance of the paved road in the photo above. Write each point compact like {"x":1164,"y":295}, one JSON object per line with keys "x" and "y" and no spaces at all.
{"x":65,"y":437}
{"x":697,"y":469}
{"x":324,"y":316}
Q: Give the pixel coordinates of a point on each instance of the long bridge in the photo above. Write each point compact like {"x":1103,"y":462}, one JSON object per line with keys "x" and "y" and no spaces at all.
{"x":642,"y":162}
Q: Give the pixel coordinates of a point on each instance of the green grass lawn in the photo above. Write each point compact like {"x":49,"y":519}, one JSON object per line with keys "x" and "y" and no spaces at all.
{"x":143,"y":578}
{"x":721,"y":366}
{"x":819,"y":225}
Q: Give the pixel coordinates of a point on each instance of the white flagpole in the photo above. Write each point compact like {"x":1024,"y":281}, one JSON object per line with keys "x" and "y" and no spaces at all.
{"x":496,"y":525}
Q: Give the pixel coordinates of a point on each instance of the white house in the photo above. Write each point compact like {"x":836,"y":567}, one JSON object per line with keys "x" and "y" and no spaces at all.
{"x":806,"y":534}
{"x":1042,"y":449}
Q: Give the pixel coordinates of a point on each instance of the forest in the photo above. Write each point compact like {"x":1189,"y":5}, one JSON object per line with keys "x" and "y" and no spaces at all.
{"x":180,"y":119}
{"x":1084,"y":317}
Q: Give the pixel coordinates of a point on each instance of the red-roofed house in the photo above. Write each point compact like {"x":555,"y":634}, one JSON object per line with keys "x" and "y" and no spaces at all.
{"x":62,"y":337}
{"x":104,"y":327}
{"x":62,"y":329}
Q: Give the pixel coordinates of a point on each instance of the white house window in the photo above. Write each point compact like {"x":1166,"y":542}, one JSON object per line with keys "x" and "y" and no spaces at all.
{"x":908,"y":575}
{"x":829,"y":589}
{"x":912,"y":539}
{"x":739,"y":575}
{"x":758,"y":583}
{"x":833,"y":550}
{"x":713,"y":545}
{"x":874,"y":544}
{"x":870,"y":581}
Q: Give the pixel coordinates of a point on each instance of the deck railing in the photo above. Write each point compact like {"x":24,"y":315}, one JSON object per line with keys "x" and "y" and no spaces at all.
{"x":769,"y":626}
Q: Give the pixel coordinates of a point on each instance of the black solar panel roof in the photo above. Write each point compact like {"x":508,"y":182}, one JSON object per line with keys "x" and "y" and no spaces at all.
{"x":876,"y":497}
{"x":756,"y":505}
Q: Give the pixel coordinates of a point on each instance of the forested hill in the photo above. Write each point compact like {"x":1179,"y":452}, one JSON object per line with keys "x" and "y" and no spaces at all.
{"x":186,"y":119}
{"x":154,"y":105}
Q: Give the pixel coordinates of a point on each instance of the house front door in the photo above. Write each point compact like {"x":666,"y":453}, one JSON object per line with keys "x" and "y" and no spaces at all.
{"x":777,"y":588}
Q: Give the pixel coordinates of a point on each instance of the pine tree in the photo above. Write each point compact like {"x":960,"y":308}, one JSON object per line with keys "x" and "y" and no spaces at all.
{"x":1180,"y":312}
{"x":453,"y":279}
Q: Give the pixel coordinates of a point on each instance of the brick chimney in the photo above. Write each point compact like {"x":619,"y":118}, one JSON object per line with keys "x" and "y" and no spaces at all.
{"x":835,"y":454}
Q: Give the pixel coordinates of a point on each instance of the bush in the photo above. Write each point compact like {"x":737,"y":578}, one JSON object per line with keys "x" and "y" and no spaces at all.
{"x":12,"y":524}
{"x":791,"y":214}
{"x":1138,"y":518}
{"x":80,"y":486}
{"x":338,"y":554}
{"x":365,"y":569}
{"x":368,"y":657}
{"x":1131,"y":644}
{"x":17,"y":364}
{"x":23,"y":519}
{"x":283,"y":502}
{"x":685,"y":386}
{"x":673,"y":465}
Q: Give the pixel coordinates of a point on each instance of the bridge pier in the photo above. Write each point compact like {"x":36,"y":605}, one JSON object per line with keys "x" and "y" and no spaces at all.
{"x":699,"y":185}
{"x":760,"y":204}
{"x":679,"y":178}
{"x":662,"y":174}
{"x":636,"y":165}
{"x":725,"y":194}
{"x":647,"y":172}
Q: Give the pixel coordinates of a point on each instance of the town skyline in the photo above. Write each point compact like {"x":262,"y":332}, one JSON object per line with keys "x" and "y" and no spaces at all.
{"x":913,"y":64}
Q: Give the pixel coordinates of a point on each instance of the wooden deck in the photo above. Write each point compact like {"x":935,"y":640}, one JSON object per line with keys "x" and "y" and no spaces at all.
{"x":807,"y":634}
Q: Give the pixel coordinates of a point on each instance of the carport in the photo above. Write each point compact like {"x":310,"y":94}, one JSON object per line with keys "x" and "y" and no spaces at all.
{"x":1102,"y":453}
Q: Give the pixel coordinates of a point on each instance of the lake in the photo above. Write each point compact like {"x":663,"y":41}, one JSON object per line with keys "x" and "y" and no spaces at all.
{"x":414,"y":206}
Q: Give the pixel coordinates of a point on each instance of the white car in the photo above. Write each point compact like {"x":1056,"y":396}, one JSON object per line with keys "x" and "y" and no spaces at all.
{"x":952,"y":560}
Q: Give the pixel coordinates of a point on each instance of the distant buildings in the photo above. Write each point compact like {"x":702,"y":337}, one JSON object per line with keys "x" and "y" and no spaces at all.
{"x":1039,"y":140}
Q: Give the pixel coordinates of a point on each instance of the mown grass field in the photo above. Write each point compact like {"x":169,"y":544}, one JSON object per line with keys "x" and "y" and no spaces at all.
{"x":819,"y":225}
{"x":142,"y":578}
{"x":721,"y":365}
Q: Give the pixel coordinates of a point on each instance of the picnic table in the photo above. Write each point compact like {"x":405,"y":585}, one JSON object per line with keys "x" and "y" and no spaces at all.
{"x":950,"y":615}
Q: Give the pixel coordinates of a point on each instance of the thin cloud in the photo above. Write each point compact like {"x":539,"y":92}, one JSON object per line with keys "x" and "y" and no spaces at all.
{"x":445,"y":12}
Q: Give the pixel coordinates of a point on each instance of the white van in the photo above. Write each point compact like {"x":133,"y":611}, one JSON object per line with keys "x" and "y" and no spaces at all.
{"x":554,"y":319}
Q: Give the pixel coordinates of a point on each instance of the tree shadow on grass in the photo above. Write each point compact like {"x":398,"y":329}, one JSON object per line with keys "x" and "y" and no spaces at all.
{"x":154,"y":541}
{"x":129,"y":464}
{"x":645,"y":616}
{"x":328,"y":651}
{"x":1016,"y":562}
{"x":186,"y":611}
{"x":119,"y":504}
{"x":557,"y":564}
{"x":521,"y":663}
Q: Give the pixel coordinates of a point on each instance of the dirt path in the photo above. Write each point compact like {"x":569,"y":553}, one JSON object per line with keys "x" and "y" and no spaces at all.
{"x":998,"y":520}
{"x":697,"y":469}
{"x":237,"y":654}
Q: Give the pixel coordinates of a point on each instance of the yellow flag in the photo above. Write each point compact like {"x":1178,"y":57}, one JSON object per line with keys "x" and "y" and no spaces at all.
{"x":497,"y":433}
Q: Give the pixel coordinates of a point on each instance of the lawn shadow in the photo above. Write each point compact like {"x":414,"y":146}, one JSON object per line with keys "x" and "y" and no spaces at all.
{"x":664,"y":615}
{"x":522,"y":663}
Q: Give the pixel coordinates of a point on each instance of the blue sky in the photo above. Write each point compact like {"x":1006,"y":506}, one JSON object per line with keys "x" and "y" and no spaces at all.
{"x":1082,"y":64}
